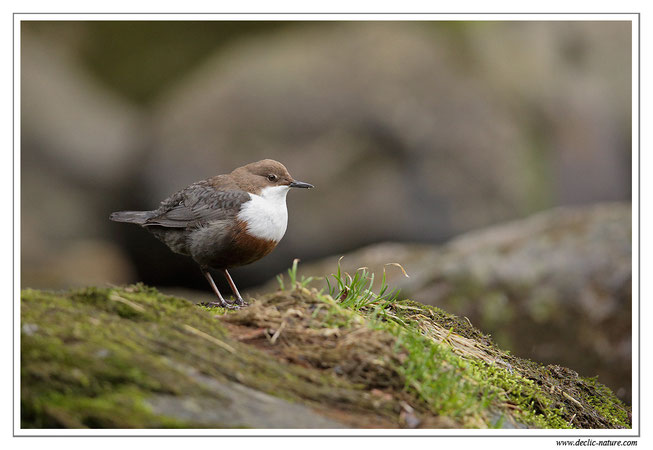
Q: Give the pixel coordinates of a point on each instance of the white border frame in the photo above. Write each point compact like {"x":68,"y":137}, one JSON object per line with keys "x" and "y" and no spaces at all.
{"x":564,"y":434}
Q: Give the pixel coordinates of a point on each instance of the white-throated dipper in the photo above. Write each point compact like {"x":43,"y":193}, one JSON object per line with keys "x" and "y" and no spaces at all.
{"x":223,"y":222}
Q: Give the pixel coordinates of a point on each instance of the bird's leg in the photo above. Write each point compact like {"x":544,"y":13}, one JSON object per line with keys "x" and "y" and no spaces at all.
{"x":222,"y":302}
{"x":234,"y":289}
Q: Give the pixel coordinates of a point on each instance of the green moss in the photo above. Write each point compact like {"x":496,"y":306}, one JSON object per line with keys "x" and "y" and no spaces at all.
{"x":94,"y":357}
{"x":528,"y":402}
{"x":440,"y":380}
{"x":606,"y":403}
{"x":531,"y":394}
{"x":435,"y":379}
{"x":92,"y":348}
{"x":122,"y":408}
{"x":468,"y":389}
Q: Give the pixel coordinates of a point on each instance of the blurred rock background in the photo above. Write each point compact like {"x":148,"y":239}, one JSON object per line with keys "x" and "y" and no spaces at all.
{"x":413,"y":132}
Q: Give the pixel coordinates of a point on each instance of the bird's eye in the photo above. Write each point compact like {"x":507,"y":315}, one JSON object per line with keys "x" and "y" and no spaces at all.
{"x":272,"y":177}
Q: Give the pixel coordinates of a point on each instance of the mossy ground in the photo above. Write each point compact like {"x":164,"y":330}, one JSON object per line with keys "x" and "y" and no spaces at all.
{"x":547,"y":396}
{"x":92,"y":358}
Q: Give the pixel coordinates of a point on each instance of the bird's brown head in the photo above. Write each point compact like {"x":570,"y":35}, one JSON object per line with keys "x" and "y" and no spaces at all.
{"x":265,"y":173}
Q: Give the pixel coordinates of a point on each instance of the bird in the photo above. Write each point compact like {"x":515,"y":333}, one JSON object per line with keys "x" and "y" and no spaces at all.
{"x":223,"y":222}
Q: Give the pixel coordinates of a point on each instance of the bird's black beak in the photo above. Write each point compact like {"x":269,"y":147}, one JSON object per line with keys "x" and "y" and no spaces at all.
{"x":301,"y":184}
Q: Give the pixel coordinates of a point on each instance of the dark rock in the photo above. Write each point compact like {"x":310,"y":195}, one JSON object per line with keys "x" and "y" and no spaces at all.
{"x":233,"y":405}
{"x":404,"y":137}
{"x":374,"y":115}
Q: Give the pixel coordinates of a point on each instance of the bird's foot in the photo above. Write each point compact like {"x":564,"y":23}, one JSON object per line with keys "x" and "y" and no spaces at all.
{"x":240,"y":302}
{"x":222,"y":304}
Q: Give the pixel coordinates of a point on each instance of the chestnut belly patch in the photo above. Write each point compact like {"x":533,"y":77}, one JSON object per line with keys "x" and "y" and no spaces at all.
{"x":249,"y":248}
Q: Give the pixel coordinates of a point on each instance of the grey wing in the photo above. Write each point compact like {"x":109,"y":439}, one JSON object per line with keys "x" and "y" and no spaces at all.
{"x":197,"y":204}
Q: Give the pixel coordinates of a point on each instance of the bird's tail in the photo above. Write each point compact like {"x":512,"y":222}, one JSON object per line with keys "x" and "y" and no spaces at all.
{"x":138,"y":217}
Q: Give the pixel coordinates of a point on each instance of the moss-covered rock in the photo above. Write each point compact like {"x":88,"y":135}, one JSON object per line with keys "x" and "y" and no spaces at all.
{"x":554,"y":287}
{"x":134,"y":358}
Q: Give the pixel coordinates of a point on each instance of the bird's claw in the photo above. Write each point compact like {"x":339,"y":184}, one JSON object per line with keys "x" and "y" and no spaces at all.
{"x":240,"y":302}
{"x":225,"y":305}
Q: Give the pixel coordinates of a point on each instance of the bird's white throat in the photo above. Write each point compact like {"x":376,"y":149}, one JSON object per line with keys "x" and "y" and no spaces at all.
{"x":266,"y":214}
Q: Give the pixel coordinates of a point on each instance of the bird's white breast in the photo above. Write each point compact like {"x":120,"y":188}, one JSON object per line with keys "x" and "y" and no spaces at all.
{"x":266,"y":214}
